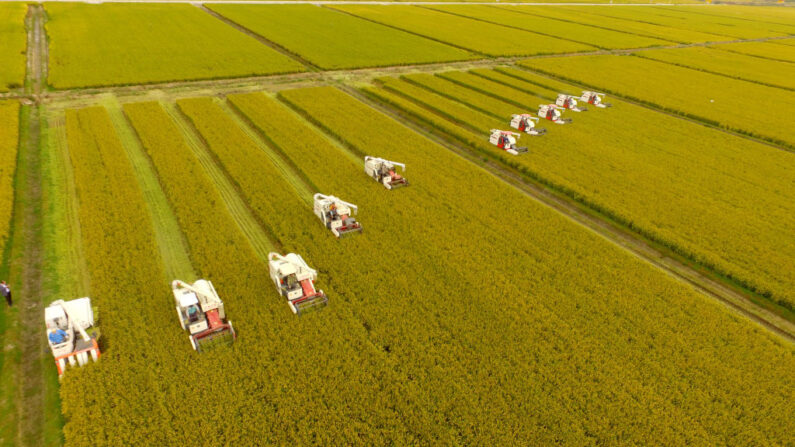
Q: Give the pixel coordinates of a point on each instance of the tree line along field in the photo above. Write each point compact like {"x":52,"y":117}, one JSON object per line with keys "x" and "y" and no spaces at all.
{"x":421,"y":364}
{"x":467,"y":312}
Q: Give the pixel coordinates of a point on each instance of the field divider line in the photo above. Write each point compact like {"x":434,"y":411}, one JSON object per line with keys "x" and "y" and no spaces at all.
{"x":715,"y":73}
{"x":171,"y":242}
{"x":607,"y":28}
{"x":262,"y":39}
{"x":513,"y":27}
{"x":449,"y":44}
{"x":292,"y":174}
{"x":261,"y":238}
{"x":611,"y":231}
{"x":741,"y":133}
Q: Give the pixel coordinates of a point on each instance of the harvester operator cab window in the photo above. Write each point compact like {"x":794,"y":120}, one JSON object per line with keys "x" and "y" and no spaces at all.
{"x":290,"y":282}
{"x":193,"y":313}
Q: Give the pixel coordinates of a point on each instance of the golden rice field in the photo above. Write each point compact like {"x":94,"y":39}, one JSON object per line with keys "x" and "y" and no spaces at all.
{"x":626,"y":280}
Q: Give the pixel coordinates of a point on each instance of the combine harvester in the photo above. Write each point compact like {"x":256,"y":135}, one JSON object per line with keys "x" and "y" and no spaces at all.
{"x":294,"y":280}
{"x":552,"y":113}
{"x":336,"y":215}
{"x":525,"y":122}
{"x":201,"y":313}
{"x":569,"y":102}
{"x":62,"y":320}
{"x":506,"y":140}
{"x":595,"y":99}
{"x":383,"y":171}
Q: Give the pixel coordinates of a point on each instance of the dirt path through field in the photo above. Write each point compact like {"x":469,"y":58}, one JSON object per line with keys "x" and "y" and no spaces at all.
{"x":654,"y":254}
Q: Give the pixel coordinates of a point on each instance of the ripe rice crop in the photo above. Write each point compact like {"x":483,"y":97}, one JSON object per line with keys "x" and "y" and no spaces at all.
{"x":9,"y":139}
{"x":332,"y":39}
{"x":776,"y":50}
{"x":739,"y":66}
{"x":524,"y":19}
{"x":591,"y":16}
{"x":701,"y":212}
{"x":12,"y":45}
{"x":685,"y":91}
{"x":343,"y":117}
{"x":485,"y":38}
{"x":116,"y":44}
{"x":691,"y":20}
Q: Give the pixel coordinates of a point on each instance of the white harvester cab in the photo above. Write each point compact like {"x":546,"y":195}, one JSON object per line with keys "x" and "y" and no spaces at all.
{"x":71,"y":332}
{"x":552,"y":113}
{"x":569,"y":102}
{"x":201,"y":313}
{"x":594,"y":98}
{"x":337,"y":215}
{"x":526,"y":123}
{"x":295,"y":280}
{"x":506,"y":140}
{"x":383,"y":171}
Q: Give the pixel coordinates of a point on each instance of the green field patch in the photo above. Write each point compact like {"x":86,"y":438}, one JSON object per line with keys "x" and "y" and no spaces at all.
{"x":521,"y":18}
{"x":332,"y":39}
{"x":118,"y":44}
{"x":13,"y":42}
{"x":485,"y":38}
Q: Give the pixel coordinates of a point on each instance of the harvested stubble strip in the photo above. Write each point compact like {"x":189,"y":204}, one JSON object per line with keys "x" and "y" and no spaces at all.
{"x":631,"y":308}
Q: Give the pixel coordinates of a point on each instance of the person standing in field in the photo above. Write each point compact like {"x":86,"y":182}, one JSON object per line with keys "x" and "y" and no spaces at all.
{"x":6,"y":291}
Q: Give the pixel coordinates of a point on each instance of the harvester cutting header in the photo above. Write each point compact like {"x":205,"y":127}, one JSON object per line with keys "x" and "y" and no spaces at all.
{"x":383,"y":171}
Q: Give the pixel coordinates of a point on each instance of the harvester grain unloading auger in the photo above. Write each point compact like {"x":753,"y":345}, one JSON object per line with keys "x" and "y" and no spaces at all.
{"x":595,"y":99}
{"x":569,"y":102}
{"x":337,"y":215}
{"x":526,"y":123}
{"x":201,"y":313}
{"x":72,"y":333}
{"x":383,"y":171}
{"x":295,"y":280}
{"x":552,"y":113}
{"x":506,"y":140}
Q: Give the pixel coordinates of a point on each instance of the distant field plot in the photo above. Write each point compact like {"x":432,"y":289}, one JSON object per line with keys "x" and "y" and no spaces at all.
{"x":13,"y":42}
{"x":588,"y":16}
{"x":683,"y":19}
{"x":780,"y":74}
{"x":485,"y":38}
{"x":772,"y":13}
{"x":776,"y":50}
{"x":715,"y":183}
{"x":112,"y":44}
{"x":599,"y":37}
{"x":332,"y":39}
{"x":707,"y":96}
